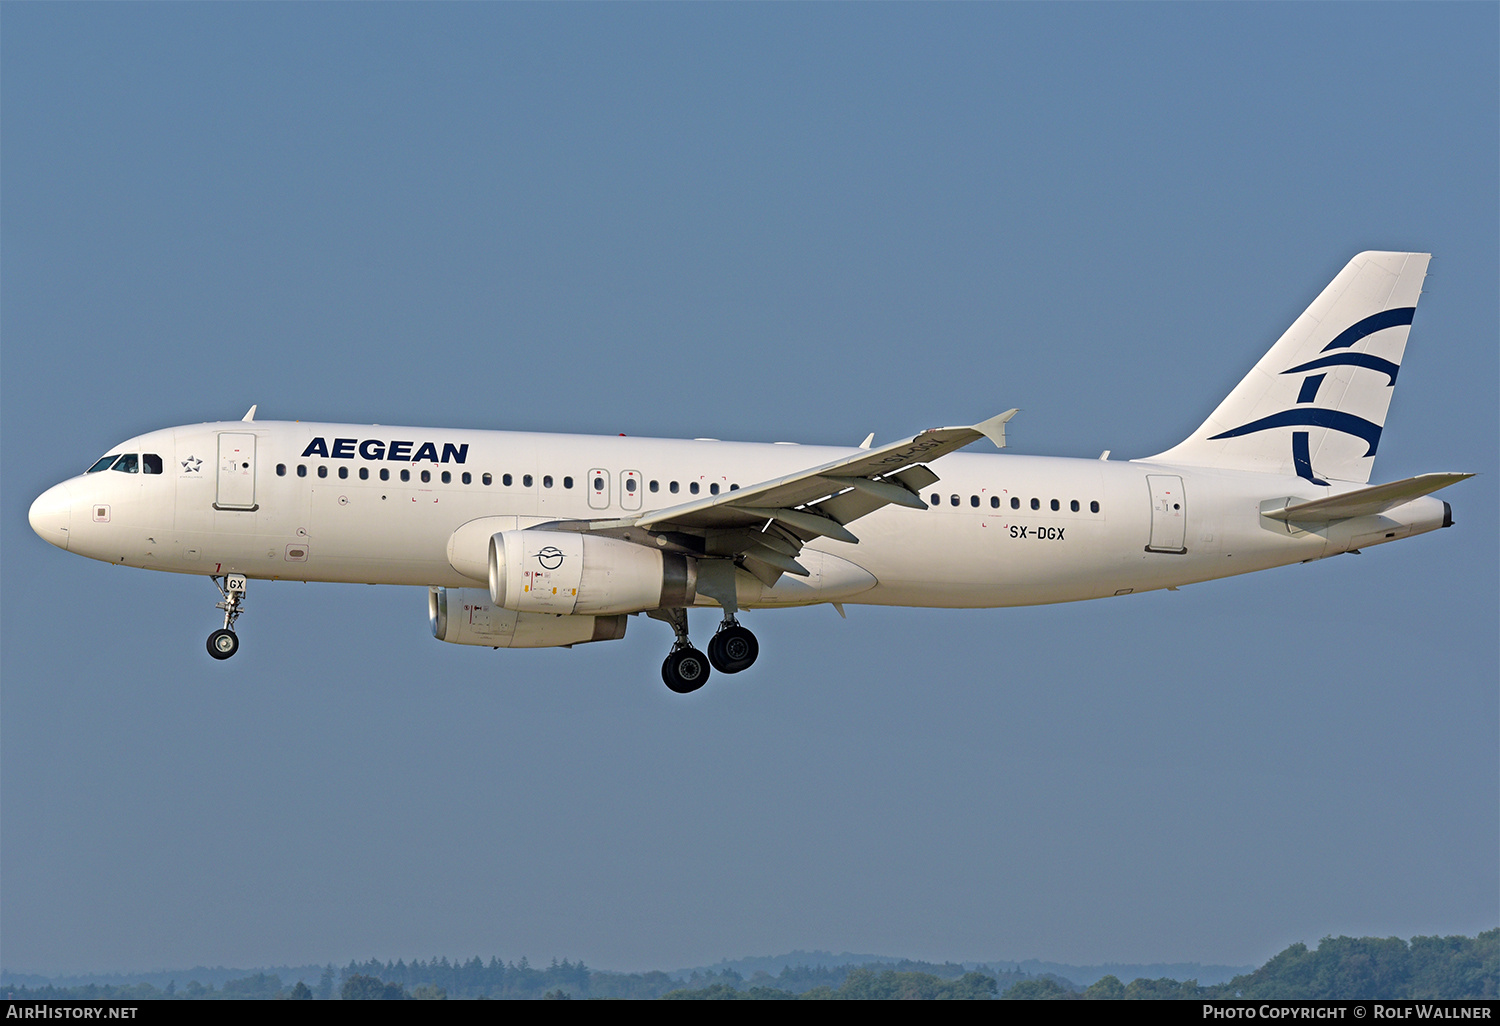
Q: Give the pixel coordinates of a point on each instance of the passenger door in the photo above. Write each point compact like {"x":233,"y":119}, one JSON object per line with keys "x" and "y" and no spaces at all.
{"x":1168,"y":514}
{"x":236,"y":471}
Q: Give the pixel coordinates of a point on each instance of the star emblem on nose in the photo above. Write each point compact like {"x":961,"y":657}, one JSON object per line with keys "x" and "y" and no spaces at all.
{"x":191,"y":464}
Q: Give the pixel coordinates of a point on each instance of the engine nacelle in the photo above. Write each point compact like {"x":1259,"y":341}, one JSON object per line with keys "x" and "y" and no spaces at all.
{"x":465,"y":616}
{"x":571,"y":573}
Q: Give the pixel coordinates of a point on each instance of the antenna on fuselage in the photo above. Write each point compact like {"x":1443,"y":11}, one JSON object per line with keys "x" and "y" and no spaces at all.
{"x":249,"y":414}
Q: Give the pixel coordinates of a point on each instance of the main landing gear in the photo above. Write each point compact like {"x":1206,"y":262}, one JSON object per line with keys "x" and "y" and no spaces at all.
{"x":732,"y":649}
{"x":685,"y":669}
{"x":224,"y":643}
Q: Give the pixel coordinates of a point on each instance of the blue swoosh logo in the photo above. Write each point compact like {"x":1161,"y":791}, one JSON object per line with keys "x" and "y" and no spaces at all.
{"x":1373,"y":363}
{"x":1334,"y":420}
{"x":1370,"y":325}
{"x":1301,"y":460}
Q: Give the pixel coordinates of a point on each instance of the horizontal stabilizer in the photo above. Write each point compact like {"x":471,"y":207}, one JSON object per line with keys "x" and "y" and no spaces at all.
{"x":1366,"y":501}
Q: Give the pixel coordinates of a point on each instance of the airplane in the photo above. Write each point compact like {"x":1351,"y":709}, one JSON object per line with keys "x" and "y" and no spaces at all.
{"x":530,"y":540}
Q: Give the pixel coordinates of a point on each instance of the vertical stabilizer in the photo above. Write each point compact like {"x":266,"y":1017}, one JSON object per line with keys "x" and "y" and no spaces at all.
{"x":1315,"y":404}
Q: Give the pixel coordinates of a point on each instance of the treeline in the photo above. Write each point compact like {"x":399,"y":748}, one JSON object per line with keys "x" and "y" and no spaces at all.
{"x":259,"y":986}
{"x":862,"y":984}
{"x":829,"y":981}
{"x":1339,"y":968}
{"x":495,"y":980}
{"x":511,"y":980}
{"x":521,"y":980}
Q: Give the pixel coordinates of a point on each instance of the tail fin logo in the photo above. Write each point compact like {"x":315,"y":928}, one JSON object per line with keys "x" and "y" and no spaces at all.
{"x":1333,"y":420}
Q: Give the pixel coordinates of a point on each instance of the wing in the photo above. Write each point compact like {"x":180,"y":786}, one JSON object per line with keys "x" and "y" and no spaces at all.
{"x":764,"y":526}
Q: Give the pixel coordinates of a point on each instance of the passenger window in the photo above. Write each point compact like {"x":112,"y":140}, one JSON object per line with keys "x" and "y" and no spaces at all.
{"x":974,"y":501}
{"x":104,"y":463}
{"x":447,"y":478}
{"x":128,"y":464}
{"x":343,"y":473}
{"x":734,"y":488}
{"x":385,"y":474}
{"x":655,"y":486}
{"x":322,"y":471}
{"x":672,"y":487}
{"x":526,"y":480}
{"x":693,"y":487}
{"x":1056,"y":505}
{"x":567,"y":482}
{"x":467,"y":478}
{"x":281,"y":470}
{"x":506,"y":480}
{"x":487,"y":479}
{"x":937,"y":500}
{"x":953,"y":500}
{"x":598,"y":484}
{"x":1036,"y":503}
{"x":994,"y":502}
{"x":426,"y":476}
{"x":630,"y":486}
{"x":150,"y":463}
{"x":364,"y":473}
{"x":302,"y":470}
{"x":1073,"y":505}
{"x":547,"y":481}
{"x":713,"y":489}
{"x":406,"y":475}
{"x":1093,"y":507}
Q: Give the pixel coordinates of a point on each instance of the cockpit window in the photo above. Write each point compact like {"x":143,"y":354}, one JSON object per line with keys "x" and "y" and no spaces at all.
{"x":150,"y":463}
{"x":103,"y":464}
{"x":128,"y":464}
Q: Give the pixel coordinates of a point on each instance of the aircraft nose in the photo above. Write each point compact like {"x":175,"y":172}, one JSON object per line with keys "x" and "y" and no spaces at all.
{"x":51,"y":513}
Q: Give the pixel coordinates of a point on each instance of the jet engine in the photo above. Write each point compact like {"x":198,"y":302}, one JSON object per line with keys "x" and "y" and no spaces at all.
{"x":465,"y":616}
{"x":571,"y":573}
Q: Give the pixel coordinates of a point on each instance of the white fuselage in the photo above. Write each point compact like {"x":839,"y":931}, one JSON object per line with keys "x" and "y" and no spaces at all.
{"x":308,"y":502}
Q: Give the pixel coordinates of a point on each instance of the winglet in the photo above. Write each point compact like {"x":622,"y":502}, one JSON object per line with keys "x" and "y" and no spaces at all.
{"x":249,"y":414}
{"x":994,"y":428}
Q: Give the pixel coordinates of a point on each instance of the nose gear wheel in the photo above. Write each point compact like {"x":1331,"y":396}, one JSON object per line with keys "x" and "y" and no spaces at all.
{"x":223,"y":643}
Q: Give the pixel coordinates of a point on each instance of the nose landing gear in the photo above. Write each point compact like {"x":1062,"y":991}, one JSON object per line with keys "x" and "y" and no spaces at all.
{"x":224,"y":643}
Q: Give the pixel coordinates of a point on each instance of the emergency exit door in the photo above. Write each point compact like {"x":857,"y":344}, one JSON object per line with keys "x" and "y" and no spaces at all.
{"x":630,"y":489}
{"x":598,"y":488}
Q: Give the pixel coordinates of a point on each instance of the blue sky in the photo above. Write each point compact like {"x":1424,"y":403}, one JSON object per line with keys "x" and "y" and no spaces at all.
{"x":755,"y":222}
